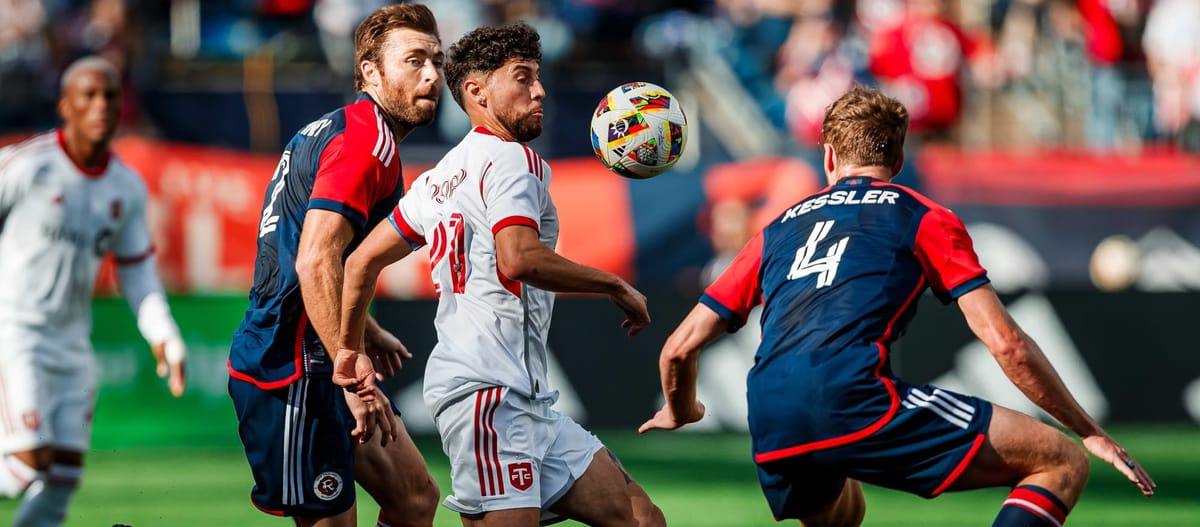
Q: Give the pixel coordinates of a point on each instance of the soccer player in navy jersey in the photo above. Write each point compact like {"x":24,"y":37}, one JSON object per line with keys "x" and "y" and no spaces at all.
{"x":338,"y":177}
{"x":839,"y":275}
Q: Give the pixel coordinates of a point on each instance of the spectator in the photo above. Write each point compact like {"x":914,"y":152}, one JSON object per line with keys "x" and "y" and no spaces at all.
{"x":1172,"y":44}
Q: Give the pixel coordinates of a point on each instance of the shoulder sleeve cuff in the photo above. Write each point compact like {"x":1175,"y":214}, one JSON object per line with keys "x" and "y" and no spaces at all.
{"x":735,"y":321}
{"x":515,"y":220}
{"x":357,"y":219}
{"x":415,"y":241}
{"x":966,"y":287}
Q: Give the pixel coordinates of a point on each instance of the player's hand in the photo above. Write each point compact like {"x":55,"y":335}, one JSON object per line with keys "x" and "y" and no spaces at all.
{"x":385,"y":351}
{"x":1105,"y":448}
{"x":633,"y":303}
{"x":665,"y":419}
{"x":371,"y":414}
{"x":353,"y":371}
{"x":169,"y":358}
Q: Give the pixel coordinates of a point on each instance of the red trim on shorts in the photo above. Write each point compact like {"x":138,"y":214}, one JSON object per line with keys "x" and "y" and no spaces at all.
{"x":268,"y":511}
{"x":962,"y":465}
{"x":485,"y":435}
{"x":271,"y":385}
{"x":499,"y":475}
{"x":832,"y":442}
{"x":6,"y":417}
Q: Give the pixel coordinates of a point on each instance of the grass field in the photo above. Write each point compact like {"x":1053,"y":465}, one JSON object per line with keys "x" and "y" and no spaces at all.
{"x":698,"y":480}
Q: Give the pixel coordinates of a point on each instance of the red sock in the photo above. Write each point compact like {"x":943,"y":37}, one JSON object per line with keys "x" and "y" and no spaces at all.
{"x":1031,"y":506}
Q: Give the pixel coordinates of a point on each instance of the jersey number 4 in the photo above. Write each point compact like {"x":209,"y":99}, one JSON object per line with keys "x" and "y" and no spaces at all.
{"x":825,"y":267}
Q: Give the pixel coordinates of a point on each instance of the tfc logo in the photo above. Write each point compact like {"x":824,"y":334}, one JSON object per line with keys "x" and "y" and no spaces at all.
{"x":327,"y":486}
{"x":520,"y":475}
{"x":32,"y":420}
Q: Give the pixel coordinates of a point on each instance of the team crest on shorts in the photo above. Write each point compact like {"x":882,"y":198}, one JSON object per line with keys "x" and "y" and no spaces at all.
{"x":327,"y":486}
{"x":520,"y":475}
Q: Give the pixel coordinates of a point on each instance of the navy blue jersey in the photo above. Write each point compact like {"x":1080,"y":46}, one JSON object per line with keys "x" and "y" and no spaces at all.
{"x":345,"y":162}
{"x":839,"y":275}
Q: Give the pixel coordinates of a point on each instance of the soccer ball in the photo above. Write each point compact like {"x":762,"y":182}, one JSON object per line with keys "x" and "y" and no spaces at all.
{"x":639,"y":130}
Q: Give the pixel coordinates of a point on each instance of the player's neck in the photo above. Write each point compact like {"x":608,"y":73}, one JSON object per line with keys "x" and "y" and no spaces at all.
{"x":86,"y":154}
{"x":492,"y":125}
{"x":874,"y":172}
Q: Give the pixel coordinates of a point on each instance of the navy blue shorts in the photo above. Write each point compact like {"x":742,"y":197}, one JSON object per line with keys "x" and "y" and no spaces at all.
{"x":923,"y":448}
{"x":297,"y":440}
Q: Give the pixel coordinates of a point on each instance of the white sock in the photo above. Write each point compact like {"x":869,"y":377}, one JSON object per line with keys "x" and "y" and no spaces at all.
{"x":15,"y":476}
{"x":46,"y":501}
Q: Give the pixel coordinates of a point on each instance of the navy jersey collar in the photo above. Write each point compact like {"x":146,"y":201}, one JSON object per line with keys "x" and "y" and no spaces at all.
{"x":857,"y":180}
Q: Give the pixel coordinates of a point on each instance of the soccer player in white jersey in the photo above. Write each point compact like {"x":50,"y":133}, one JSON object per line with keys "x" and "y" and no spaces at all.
{"x":486,"y":212}
{"x":65,"y":202}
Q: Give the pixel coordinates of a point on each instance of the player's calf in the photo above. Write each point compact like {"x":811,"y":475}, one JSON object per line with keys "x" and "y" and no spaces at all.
{"x":46,"y":500}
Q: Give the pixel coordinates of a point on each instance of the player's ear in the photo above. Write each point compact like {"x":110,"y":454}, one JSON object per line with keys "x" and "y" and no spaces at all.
{"x":473,"y":89}
{"x":370,"y":72}
{"x":899,"y":165}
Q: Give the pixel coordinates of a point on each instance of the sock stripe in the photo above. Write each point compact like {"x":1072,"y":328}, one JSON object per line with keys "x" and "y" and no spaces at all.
{"x":1043,"y":499}
{"x":1033,"y":508}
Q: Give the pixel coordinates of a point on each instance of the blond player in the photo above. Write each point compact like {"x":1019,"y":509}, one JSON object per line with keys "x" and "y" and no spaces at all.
{"x":66,"y":202}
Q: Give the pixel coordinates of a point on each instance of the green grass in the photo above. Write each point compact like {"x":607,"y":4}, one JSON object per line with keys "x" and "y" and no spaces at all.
{"x":698,"y":480}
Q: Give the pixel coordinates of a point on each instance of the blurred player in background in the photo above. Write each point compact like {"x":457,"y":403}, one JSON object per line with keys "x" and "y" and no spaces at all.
{"x":487,"y":214}
{"x":839,"y":275}
{"x":65,"y":202}
{"x":338,"y":177}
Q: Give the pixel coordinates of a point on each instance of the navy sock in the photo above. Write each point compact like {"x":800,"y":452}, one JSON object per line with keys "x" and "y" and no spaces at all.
{"x":1031,"y":506}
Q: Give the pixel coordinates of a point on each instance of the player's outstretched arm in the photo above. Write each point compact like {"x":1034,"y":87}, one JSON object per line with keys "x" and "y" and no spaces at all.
{"x":678,"y":367}
{"x":143,"y":291}
{"x":520,"y":255}
{"x":1027,"y":367}
{"x":382,"y":247}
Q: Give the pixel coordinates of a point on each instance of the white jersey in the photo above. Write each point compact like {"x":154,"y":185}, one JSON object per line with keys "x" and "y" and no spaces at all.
{"x":491,"y":330}
{"x":57,"y":220}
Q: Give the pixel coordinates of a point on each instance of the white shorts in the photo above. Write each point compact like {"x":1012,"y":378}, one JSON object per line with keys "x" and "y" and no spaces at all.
{"x":44,"y":407}
{"x":508,"y":451}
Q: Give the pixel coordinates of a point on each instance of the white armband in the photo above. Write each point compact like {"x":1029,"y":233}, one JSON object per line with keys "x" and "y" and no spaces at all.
{"x":143,"y":291}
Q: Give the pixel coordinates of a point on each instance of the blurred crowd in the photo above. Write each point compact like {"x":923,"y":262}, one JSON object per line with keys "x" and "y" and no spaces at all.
{"x":1098,"y":74}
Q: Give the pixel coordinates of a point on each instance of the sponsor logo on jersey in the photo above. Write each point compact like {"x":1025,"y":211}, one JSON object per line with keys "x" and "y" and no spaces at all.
{"x":327,"y":486}
{"x":31,"y":420}
{"x":520,"y":475}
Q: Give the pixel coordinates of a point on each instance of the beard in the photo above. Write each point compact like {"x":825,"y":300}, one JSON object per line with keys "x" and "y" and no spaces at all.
{"x":525,"y":129}
{"x":410,"y":114}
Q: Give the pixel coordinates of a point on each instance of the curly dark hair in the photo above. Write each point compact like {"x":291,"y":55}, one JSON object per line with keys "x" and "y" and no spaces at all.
{"x":486,"y":49}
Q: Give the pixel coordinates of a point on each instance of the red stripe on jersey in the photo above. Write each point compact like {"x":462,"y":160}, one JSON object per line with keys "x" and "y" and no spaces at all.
{"x":962,"y":465}
{"x":945,"y":250}
{"x":137,"y":258}
{"x":887,"y":383}
{"x":92,"y":172}
{"x":515,"y":220}
{"x":481,"y":178}
{"x":738,"y":288}
{"x":297,"y":366}
{"x":528,"y":159}
{"x":356,"y":167}
{"x":407,"y":230}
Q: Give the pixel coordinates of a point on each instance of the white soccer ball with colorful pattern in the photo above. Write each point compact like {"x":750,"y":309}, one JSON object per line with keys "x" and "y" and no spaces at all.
{"x":639,"y":130}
